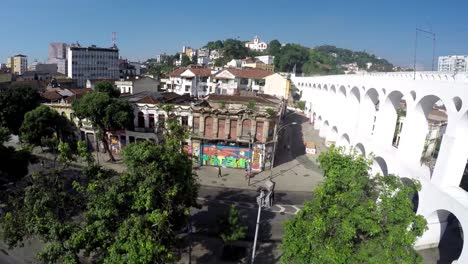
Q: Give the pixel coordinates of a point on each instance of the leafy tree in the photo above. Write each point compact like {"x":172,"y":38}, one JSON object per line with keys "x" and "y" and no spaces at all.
{"x":354,"y":218}
{"x":46,"y":209}
{"x":231,"y":226}
{"x":213,"y":45}
{"x":14,"y":103}
{"x":301,"y":105}
{"x":105,"y":112}
{"x":107,"y":87}
{"x":251,"y":106}
{"x":14,"y":163}
{"x":42,"y":125}
{"x":289,"y":56}
{"x":185,"y":60}
{"x":274,"y":47}
{"x":134,"y":218}
{"x":235,"y":49}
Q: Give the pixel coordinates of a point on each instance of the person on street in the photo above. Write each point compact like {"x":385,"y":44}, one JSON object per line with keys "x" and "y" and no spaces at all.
{"x":219,"y":172}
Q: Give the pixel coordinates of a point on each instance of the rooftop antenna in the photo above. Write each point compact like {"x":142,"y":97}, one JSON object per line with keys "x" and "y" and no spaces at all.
{"x":113,"y":39}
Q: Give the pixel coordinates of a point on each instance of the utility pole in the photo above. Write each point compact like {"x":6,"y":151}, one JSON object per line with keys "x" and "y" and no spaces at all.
{"x":427,"y":33}
{"x":263,"y":200}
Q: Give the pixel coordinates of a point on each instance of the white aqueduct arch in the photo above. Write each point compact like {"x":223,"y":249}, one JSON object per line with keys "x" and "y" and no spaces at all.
{"x":363,"y":109}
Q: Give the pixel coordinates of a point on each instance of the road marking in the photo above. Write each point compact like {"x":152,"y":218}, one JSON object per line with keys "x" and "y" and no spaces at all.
{"x":283,"y":208}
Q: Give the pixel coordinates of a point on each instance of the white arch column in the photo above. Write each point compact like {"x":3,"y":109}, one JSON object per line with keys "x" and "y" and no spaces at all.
{"x":452,"y":158}
{"x":414,"y":134}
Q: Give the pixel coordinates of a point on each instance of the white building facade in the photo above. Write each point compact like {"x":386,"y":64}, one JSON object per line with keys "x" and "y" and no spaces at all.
{"x":453,"y":63}
{"x":360,"y":112}
{"x":92,"y":63}
{"x":256,"y":44}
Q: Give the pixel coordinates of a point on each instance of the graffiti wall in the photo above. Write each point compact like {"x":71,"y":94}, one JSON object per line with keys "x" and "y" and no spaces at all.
{"x":257,"y":156}
{"x":226,"y":156}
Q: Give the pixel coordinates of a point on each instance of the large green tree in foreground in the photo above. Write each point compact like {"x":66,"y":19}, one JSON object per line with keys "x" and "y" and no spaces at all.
{"x":133,"y":217}
{"x":105,"y":111}
{"x":14,"y":103}
{"x":354,"y":218}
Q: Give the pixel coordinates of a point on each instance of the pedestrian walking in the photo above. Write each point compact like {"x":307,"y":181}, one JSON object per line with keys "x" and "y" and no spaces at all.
{"x":246,"y":173}
{"x":219,"y":172}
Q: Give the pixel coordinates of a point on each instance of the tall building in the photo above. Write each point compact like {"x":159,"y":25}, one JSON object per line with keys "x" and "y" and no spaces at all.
{"x":18,"y":64}
{"x":453,"y":63}
{"x":92,"y":63}
{"x":58,"y":55}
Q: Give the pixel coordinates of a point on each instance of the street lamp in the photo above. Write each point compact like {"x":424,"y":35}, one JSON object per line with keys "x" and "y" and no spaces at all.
{"x":275,"y":141}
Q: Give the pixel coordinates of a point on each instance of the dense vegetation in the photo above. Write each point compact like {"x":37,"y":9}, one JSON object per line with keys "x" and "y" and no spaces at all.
{"x":354,"y":218}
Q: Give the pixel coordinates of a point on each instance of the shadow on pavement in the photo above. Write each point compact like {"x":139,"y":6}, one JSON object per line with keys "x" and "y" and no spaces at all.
{"x":291,"y":140}
{"x":205,"y":222}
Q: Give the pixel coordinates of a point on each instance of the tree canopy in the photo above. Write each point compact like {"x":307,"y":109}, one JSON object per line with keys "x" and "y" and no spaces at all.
{"x":14,"y":163}
{"x":105,"y":111}
{"x":132,"y":217}
{"x":354,"y":218}
{"x":274,"y":47}
{"x":43,"y":124}
{"x":14,"y":103}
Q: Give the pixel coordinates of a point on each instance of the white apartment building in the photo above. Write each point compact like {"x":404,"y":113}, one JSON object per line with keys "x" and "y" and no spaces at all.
{"x":267,"y":59}
{"x":92,"y":63}
{"x":18,"y":64}
{"x":195,"y":81}
{"x":453,"y":63}
{"x":231,"y":81}
{"x":256,"y":44}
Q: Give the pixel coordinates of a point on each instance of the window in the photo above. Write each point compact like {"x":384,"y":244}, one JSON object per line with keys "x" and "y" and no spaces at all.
{"x":151,"y":120}
{"x":233,"y":129}
{"x":185,"y":121}
{"x":244,"y":81}
{"x":246,"y":128}
{"x":221,"y":128}
{"x":208,"y":126}
{"x":259,"y":131}
{"x":271,"y":129}
{"x":196,"y":124}
{"x":131,"y":139}
{"x":141,"y":119}
{"x":187,"y":88}
{"x":204,"y":88}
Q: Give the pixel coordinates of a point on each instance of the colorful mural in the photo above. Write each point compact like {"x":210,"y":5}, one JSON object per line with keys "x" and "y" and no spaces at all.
{"x":257,"y":156}
{"x":226,"y":156}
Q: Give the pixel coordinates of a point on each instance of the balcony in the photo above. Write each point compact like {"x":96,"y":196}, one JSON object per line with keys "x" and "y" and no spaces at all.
{"x":145,"y":129}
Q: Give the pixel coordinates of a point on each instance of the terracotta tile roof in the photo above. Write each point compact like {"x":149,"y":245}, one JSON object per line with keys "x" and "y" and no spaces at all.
{"x":177,"y":72}
{"x":204,"y":72}
{"x":50,"y":96}
{"x":238,"y":99}
{"x":249,"y":73}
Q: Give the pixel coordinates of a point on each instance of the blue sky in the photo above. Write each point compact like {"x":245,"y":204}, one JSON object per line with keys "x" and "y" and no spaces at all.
{"x":146,"y":28}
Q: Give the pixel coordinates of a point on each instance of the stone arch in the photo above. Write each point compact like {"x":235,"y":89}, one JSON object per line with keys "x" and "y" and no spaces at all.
{"x":332,"y":137}
{"x":351,"y":115}
{"x":318,"y":123}
{"x":390,"y":121}
{"x":324,"y":129}
{"x":368,"y":114}
{"x":446,"y":231}
{"x":343,"y":141}
{"x":360,"y":149}
{"x":379,"y":166}
{"x":457,"y":103}
{"x":414,"y":197}
{"x":426,"y":131}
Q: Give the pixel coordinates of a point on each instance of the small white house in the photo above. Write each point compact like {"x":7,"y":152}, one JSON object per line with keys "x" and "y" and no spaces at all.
{"x":256,"y":44}
{"x":276,"y":85}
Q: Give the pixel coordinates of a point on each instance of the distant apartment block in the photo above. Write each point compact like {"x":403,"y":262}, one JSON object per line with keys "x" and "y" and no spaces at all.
{"x":92,"y":63}
{"x":453,"y":63}
{"x":18,"y":64}
{"x":58,"y":55}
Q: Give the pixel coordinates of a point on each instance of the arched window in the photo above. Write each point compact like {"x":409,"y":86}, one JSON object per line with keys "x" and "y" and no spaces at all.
{"x":246,"y":128}
{"x":141,"y":119}
{"x":208,"y":126}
